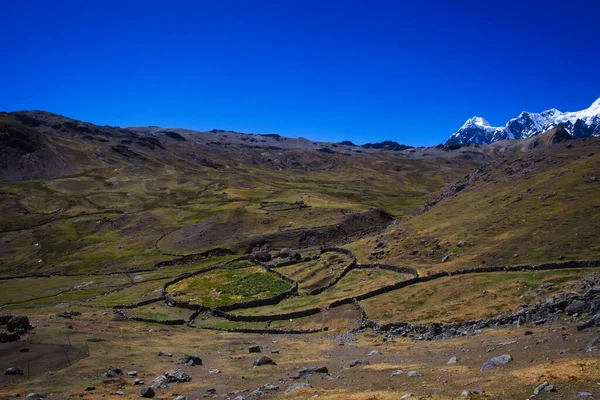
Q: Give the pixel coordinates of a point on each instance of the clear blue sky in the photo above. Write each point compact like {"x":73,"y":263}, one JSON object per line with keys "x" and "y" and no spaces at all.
{"x":327,"y":70}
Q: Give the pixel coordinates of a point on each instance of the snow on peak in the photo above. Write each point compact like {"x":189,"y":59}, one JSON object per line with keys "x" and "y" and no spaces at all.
{"x":579,"y":124}
{"x":479,"y":121}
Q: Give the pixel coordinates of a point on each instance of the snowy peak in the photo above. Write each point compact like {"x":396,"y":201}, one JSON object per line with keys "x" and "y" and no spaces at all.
{"x":583,"y":123}
{"x":478,"y":121}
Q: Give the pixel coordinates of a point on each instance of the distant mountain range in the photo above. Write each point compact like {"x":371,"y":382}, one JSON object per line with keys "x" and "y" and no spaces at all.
{"x":579,"y":124}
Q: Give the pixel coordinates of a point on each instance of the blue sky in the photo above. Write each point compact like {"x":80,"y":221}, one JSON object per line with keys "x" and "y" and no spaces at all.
{"x":327,"y":70}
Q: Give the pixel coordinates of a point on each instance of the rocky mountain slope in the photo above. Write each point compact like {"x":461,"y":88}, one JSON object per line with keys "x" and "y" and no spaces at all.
{"x":579,"y":124}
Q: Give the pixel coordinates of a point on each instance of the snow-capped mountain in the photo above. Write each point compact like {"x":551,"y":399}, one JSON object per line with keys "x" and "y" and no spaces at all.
{"x":579,"y":124}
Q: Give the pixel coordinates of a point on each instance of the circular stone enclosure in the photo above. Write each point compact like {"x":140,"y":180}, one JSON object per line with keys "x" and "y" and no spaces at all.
{"x":226,"y":286}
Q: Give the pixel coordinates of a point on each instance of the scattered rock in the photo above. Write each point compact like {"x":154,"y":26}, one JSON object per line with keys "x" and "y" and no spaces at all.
{"x":445,"y":258}
{"x":164,"y":354}
{"x":414,"y":373}
{"x":407,"y":396}
{"x":36,"y":396}
{"x":13,"y":371}
{"x":254,"y":349}
{"x":18,"y":324}
{"x":452,"y":360}
{"x":214,"y":371}
{"x":269,"y":387}
{"x":177,"y":375}
{"x":584,"y":394}
{"x":354,"y":363}
{"x":306,"y":372}
{"x":479,"y":391}
{"x":68,"y":314}
{"x":264,"y":360}
{"x":138,"y":382}
{"x":497,"y":361}
{"x":297,"y":386}
{"x":550,"y":388}
{"x":132,"y":373}
{"x":397,"y":372}
{"x":374,"y":353}
{"x":541,"y":387}
{"x":180,"y":398}
{"x":593,"y":345}
{"x":147,"y":392}
{"x":160,"y":382}
{"x":576,"y":307}
{"x":192,"y":360}
{"x":461,"y":243}
{"x":465,"y":393}
{"x":113,"y":372}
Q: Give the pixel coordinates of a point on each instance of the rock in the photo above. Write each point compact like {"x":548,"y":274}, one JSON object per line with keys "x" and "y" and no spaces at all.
{"x":289,"y":253}
{"x":496,"y":361}
{"x":479,"y":391}
{"x":160,"y":382}
{"x":256,"y":393}
{"x":117,"y":393}
{"x":214,"y":371}
{"x":550,"y":388}
{"x":180,"y":398}
{"x":147,"y":392}
{"x":24,"y":349}
{"x":13,"y":371}
{"x":262,"y":256}
{"x":297,"y":386}
{"x":541,"y":387}
{"x":593,"y":345}
{"x":113,"y":372}
{"x":138,"y":382}
{"x":397,"y":372}
{"x":452,"y":360}
{"x":374,"y":353}
{"x":576,"y":307}
{"x":90,"y":388}
{"x":164,"y":354}
{"x":445,"y":258}
{"x":192,"y":360}
{"x":264,"y":360}
{"x":584,"y":394}
{"x":407,"y":396}
{"x":269,"y":387}
{"x":68,"y":314}
{"x":461,"y":243}
{"x":465,"y":393}
{"x":132,"y":373}
{"x":15,"y":395}
{"x":18,"y":323}
{"x":354,"y":363}
{"x":306,"y":372}
{"x":36,"y":396}
{"x":414,"y":373}
{"x":594,"y":321}
{"x":254,"y":349}
{"x":177,"y":375}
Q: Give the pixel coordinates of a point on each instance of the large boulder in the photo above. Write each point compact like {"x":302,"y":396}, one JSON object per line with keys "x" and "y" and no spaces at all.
{"x":147,"y":392}
{"x":264,"y":360}
{"x":18,"y":324}
{"x":576,"y":307}
{"x":496,"y":361}
{"x":191,"y":360}
{"x":177,"y":375}
{"x":113,"y":372}
{"x":306,"y":372}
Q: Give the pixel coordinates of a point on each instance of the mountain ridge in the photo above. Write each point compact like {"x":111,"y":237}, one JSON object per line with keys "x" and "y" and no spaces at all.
{"x":579,"y":124}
